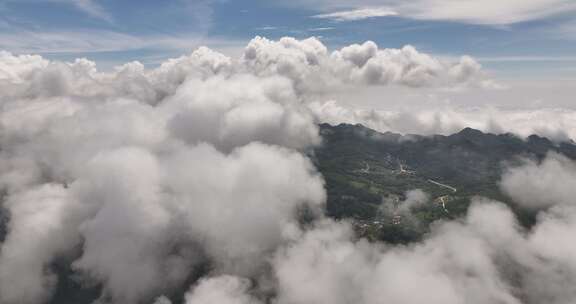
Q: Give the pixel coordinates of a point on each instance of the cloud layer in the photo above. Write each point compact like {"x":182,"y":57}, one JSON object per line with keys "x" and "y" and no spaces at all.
{"x":139,"y":177}
{"x":149,"y":172}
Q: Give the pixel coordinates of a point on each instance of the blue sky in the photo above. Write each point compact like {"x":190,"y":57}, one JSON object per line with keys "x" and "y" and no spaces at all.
{"x":528,"y":37}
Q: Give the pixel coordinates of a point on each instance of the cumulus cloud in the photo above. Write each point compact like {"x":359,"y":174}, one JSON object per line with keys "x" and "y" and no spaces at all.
{"x":542,"y":184}
{"x":233,"y":111}
{"x":485,"y":258}
{"x":17,"y":68}
{"x":151,"y":205}
{"x":452,"y":266}
{"x":123,"y":236}
{"x":308,"y":63}
{"x":243,"y":223}
{"x":406,"y":66}
{"x":150,"y":173}
{"x":221,"y":290}
{"x":41,"y":227}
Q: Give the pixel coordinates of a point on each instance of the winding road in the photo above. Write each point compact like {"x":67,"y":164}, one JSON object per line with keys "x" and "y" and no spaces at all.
{"x":443,"y":185}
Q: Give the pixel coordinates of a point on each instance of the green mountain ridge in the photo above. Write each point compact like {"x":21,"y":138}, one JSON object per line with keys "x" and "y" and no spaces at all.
{"x":368,"y":174}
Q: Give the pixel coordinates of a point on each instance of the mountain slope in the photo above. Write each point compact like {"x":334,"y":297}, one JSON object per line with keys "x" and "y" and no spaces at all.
{"x":364,"y":168}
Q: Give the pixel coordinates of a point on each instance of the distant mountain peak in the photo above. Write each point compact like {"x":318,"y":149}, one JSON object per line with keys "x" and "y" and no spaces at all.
{"x":471,"y":132}
{"x":467,"y":133}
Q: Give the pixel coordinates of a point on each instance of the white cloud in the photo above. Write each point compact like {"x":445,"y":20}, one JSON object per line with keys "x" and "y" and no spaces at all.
{"x":150,"y":171}
{"x":484,"y":258}
{"x":539,"y":185}
{"x":491,"y":12}
{"x":357,"y":14}
{"x":488,"y":12}
{"x":308,"y":63}
{"x":35,"y":238}
{"x":221,"y":290}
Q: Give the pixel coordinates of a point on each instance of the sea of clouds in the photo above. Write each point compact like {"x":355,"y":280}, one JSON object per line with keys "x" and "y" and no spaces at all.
{"x":141,"y":177}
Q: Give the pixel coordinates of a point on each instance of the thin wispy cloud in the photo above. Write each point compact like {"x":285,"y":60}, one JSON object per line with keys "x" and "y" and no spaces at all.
{"x":68,"y":41}
{"x":563,"y":31}
{"x":489,"y":12}
{"x":266,"y":28}
{"x":528,"y":59}
{"x":90,"y":42}
{"x":321,"y":29}
{"x":93,"y":9}
{"x":88,"y":7}
{"x":357,"y":14}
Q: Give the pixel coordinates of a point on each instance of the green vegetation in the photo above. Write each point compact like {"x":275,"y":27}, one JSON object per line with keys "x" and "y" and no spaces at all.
{"x":364,"y":168}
